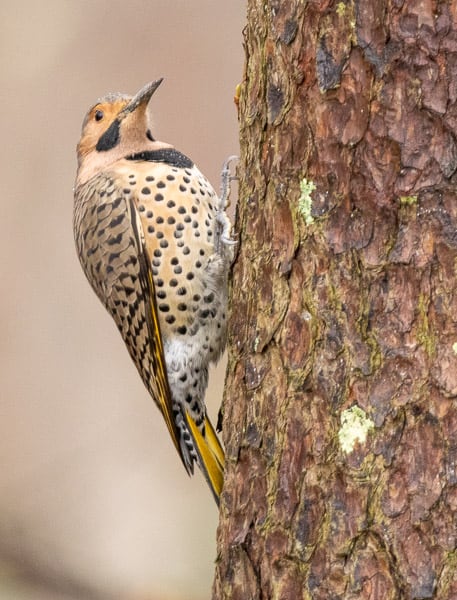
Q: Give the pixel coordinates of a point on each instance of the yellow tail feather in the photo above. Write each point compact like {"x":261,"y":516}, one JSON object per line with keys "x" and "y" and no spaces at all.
{"x":210,"y":453}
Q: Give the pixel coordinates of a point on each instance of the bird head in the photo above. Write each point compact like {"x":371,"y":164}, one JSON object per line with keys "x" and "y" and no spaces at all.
{"x":115,"y":127}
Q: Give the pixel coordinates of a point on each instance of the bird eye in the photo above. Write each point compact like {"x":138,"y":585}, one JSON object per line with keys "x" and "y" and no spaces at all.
{"x":99,"y":115}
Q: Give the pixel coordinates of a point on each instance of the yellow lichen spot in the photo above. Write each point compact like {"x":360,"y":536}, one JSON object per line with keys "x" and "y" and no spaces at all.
{"x":454,"y":348}
{"x":408,"y":200}
{"x":305,"y":201}
{"x":355,"y":426}
{"x":340,"y":9}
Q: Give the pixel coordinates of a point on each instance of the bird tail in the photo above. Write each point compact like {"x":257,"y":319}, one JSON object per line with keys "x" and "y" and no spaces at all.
{"x":210,"y":454}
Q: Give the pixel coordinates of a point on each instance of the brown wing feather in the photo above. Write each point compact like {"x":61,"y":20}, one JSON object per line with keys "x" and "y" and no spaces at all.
{"x":110,"y":245}
{"x":155,"y":338}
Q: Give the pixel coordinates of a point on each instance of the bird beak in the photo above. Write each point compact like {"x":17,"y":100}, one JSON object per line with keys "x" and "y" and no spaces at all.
{"x":141,"y":98}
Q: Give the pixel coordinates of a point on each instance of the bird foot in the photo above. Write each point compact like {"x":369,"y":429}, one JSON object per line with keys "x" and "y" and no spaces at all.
{"x":226,"y":179}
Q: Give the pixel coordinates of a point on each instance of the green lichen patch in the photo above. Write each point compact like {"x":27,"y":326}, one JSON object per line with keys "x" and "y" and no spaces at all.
{"x":355,"y":425}
{"x":408,"y":200}
{"x":340,"y":9}
{"x":305,"y":201}
{"x":346,"y":11}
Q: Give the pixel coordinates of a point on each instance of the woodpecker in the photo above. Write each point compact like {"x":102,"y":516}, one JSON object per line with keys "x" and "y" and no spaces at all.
{"x":154,"y":242}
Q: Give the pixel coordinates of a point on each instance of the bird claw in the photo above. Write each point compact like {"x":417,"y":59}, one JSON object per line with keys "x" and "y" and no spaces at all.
{"x":226,"y":179}
{"x":225,"y":232}
{"x":225,"y":227}
{"x":228,"y":241}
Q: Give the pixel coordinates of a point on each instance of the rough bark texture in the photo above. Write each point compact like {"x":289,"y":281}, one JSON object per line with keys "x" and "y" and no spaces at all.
{"x":351,"y":303}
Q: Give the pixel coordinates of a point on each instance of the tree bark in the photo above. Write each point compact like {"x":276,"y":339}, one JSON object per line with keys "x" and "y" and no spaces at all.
{"x":340,"y":415}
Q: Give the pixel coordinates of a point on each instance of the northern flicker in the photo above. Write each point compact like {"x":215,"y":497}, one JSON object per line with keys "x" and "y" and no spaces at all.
{"x":154,"y":242}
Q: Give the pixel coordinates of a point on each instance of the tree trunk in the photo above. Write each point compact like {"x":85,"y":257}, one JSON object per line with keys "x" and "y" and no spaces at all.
{"x":340,"y":416}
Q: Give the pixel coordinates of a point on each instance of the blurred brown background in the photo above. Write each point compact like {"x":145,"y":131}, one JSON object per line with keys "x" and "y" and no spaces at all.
{"x":94,"y":502}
